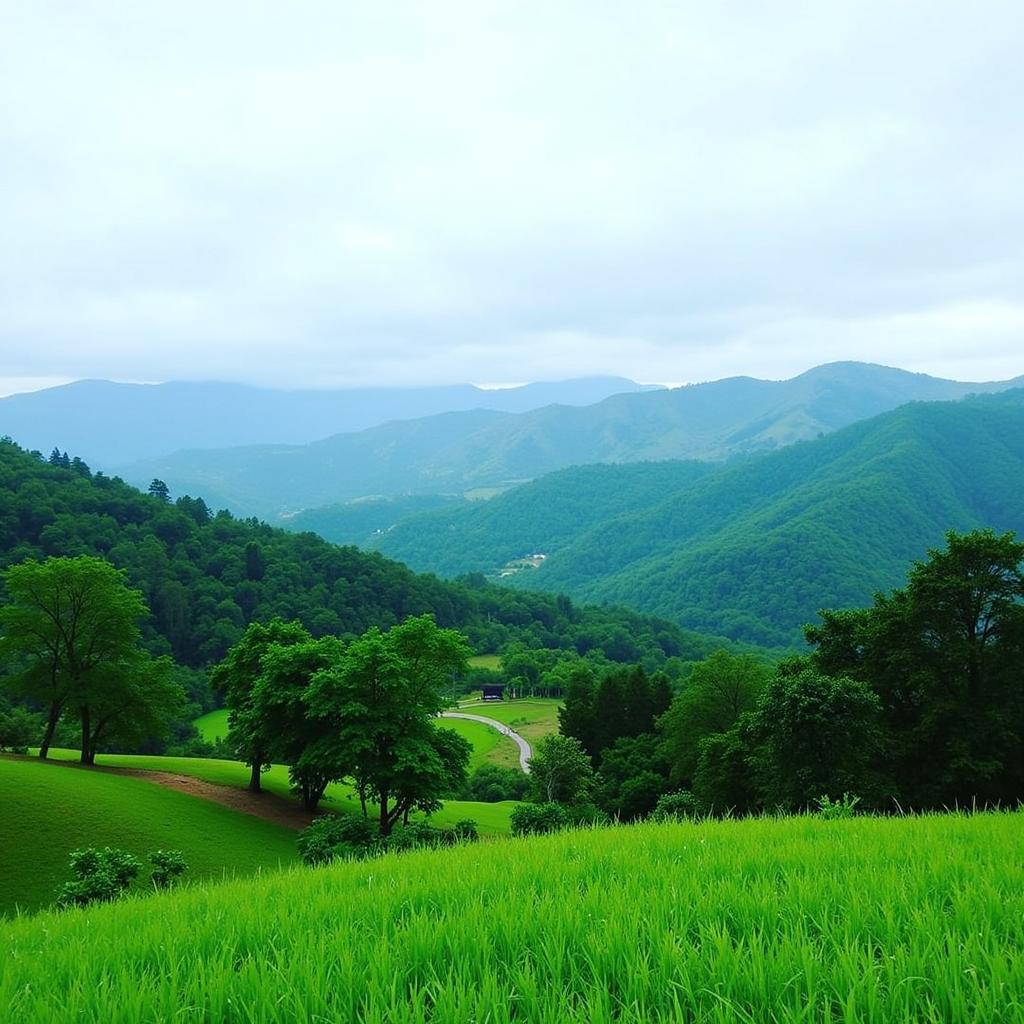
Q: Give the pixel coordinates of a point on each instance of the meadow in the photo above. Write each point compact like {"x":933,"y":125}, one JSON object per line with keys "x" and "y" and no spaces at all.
{"x":910,"y":920}
{"x":491,"y":819}
{"x":213,"y":725}
{"x":50,"y":810}
{"x":532,"y":717}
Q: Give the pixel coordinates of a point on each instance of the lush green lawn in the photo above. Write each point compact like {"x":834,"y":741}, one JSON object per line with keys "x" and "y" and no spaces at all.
{"x":488,"y":661}
{"x":793,"y":921}
{"x":492,"y":819}
{"x":48,"y":810}
{"x":532,"y":717}
{"x":213,"y":725}
{"x":489,"y":746}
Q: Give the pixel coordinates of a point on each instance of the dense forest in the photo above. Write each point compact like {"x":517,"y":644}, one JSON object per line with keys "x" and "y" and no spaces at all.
{"x":206,"y":575}
{"x":751,"y":549}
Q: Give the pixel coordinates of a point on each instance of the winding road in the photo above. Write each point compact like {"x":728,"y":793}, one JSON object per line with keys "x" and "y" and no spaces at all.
{"x":525,"y":750}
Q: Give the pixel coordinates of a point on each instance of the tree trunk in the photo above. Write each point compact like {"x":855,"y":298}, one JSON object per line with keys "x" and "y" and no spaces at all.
{"x":86,"y":735}
{"x":51,"y":728}
{"x":254,"y":777}
{"x":385,"y":819}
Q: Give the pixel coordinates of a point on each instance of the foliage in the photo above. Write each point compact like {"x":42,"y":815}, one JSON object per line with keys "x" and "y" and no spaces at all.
{"x":71,"y":627}
{"x":331,"y":838}
{"x":99,"y":876}
{"x":681,"y":805}
{"x":560,"y":771}
{"x":537,"y":819}
{"x":168,"y":867}
{"x":631,"y":777}
{"x":489,"y":783}
{"x":943,"y":655}
{"x":19,"y":729}
{"x":837,"y":810}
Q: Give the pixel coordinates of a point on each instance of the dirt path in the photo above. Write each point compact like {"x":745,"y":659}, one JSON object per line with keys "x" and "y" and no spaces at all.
{"x":268,"y":806}
{"x":525,"y":751}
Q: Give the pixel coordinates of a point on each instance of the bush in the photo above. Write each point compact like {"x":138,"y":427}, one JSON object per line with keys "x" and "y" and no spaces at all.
{"x":332,"y":836}
{"x":490,"y":784}
{"x":837,"y":810}
{"x":100,"y":876}
{"x":679,"y":806}
{"x":537,"y":819}
{"x":464,"y":831}
{"x":168,"y":867}
{"x":19,"y":730}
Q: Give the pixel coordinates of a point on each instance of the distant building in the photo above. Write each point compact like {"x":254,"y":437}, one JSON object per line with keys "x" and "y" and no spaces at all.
{"x":493,"y":691}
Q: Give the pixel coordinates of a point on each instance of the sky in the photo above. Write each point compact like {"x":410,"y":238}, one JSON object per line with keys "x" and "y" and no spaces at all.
{"x":340,"y":194}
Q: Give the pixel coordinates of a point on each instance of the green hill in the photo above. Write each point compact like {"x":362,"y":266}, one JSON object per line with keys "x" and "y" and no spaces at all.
{"x":752,"y":549}
{"x":787,"y":920}
{"x":458,"y":452}
{"x":205,"y":576}
{"x":51,"y":809}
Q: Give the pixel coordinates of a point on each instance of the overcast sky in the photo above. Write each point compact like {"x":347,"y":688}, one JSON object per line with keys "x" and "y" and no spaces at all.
{"x":349,"y":193}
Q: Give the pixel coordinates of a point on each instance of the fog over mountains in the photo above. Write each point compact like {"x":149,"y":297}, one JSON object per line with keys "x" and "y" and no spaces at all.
{"x":109,"y":424}
{"x":459,"y":452}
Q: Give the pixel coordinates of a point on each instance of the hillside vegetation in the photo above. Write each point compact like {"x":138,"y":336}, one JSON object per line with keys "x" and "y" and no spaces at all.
{"x":752,"y":549}
{"x":50,"y":810}
{"x":458,"y":452}
{"x":205,"y":576}
{"x":790,"y":920}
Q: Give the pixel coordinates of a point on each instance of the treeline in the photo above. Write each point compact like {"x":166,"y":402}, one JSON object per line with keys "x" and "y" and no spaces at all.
{"x":206,"y":575}
{"x":913,"y":703}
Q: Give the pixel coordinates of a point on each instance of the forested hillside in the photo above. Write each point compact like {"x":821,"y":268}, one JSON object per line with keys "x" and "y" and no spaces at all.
{"x":460,"y":452}
{"x":754,"y":548}
{"x":205,"y":576}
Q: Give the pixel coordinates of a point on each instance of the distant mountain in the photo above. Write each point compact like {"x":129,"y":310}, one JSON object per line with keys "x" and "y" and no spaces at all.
{"x":754,"y":548}
{"x":110,"y":424}
{"x":458,"y":452}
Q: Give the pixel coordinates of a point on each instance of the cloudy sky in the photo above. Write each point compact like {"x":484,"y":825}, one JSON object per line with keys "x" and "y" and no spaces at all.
{"x":339,"y":193}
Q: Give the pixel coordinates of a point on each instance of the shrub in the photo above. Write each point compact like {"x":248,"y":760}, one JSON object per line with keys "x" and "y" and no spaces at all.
{"x":489,"y":784}
{"x":19,"y":730}
{"x":168,"y":866}
{"x":836,"y":810}
{"x":331,"y":836}
{"x":99,"y":876}
{"x":464,"y":831}
{"x":678,"y":806}
{"x":536,"y":819}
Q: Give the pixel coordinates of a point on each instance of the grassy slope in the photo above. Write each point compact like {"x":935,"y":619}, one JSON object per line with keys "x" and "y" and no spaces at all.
{"x":489,"y":746}
{"x":492,"y":819}
{"x":50,"y":810}
{"x":492,"y":662}
{"x":794,"y":920}
{"x":213,"y":725}
{"x":532,"y":717}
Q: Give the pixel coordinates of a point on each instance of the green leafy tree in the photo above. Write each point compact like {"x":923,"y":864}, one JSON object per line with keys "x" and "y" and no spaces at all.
{"x":159,"y":490}
{"x":71,"y":625}
{"x":561,"y":772}
{"x":816,"y":734}
{"x":252,"y":728}
{"x":383,"y":698}
{"x":719,"y":690}
{"x":944,"y":655}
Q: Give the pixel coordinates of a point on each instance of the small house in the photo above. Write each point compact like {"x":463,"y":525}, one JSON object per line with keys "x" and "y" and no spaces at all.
{"x":493,"y":691}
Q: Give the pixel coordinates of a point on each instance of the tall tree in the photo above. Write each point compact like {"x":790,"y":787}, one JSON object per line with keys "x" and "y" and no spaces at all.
{"x":560,"y":771}
{"x":944,"y":655}
{"x":383,"y":698}
{"x":252,"y":727}
{"x":69,"y":623}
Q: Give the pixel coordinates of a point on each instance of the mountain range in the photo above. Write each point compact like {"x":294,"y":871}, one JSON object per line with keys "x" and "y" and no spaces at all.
{"x":752,"y":548}
{"x":109,"y":424}
{"x":484,"y":450}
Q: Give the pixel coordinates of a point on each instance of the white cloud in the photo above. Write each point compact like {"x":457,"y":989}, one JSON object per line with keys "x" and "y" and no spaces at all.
{"x":409,"y":193}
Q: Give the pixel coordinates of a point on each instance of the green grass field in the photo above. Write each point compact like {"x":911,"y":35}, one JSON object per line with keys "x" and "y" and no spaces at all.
{"x":213,"y":725}
{"x":532,"y":717}
{"x":492,"y":662}
{"x":489,"y":746}
{"x":492,"y":819}
{"x":49,"y":810}
{"x":790,"y":921}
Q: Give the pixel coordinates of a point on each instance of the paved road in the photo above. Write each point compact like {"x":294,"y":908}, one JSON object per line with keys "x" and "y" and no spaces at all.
{"x":525,"y":751}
